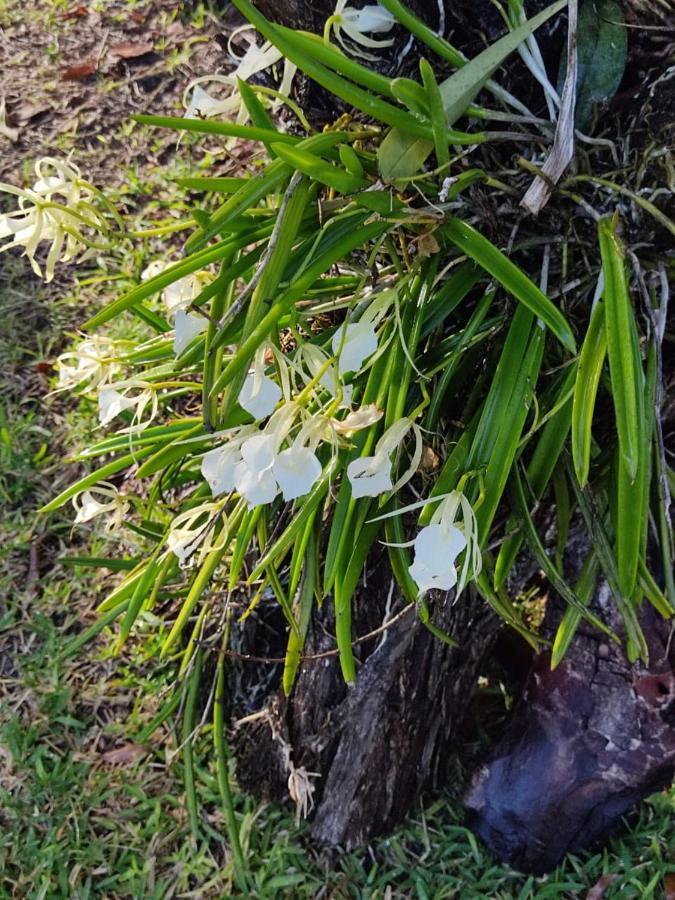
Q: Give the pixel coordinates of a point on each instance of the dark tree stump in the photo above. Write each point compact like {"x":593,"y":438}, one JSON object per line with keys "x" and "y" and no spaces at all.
{"x":587,"y":742}
{"x":377,"y":745}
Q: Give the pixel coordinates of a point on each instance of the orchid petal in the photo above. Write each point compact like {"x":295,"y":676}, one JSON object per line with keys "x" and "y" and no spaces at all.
{"x":255,"y":486}
{"x":218,"y":467}
{"x":360,"y":342}
{"x":369,"y":476}
{"x":296,"y":470}
{"x":111,"y":403}
{"x":187,"y":328}
{"x":259,"y":395}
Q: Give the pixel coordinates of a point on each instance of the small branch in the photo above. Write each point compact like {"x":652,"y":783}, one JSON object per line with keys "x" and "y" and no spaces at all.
{"x":315,"y":657}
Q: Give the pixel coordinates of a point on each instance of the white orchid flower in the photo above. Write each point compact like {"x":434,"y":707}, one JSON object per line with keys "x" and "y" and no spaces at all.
{"x":92,"y":362}
{"x":88,"y":507}
{"x":195,"y":529}
{"x":187,"y":327}
{"x":253,"y":476}
{"x":357,"y":23}
{"x":58,"y":209}
{"x":253,"y":463}
{"x":438,"y":545}
{"x":355,"y":342}
{"x":256,"y":59}
{"x":297,"y":469}
{"x":259,"y":394}
{"x":370,"y":476}
{"x":218,"y":468}
{"x":180,"y":294}
{"x":112,"y":402}
{"x":218,"y":464}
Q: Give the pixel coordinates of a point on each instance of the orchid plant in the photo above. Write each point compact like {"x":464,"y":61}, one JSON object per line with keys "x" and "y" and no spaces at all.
{"x":320,"y":377}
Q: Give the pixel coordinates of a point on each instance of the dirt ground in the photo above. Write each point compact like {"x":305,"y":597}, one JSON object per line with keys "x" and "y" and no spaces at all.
{"x":73,"y":74}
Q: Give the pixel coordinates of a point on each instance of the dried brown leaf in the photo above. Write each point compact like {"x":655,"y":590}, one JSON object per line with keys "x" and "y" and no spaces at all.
{"x":79,"y":71}
{"x":597,"y":892}
{"x":125,"y":755}
{"x":77,"y":12}
{"x":131,"y":50}
{"x":669,"y":886}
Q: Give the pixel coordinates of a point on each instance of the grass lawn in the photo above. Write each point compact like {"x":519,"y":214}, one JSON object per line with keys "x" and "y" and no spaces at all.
{"x":92,"y":798}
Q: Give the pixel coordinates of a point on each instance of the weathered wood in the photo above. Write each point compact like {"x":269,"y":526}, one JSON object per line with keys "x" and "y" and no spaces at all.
{"x":586,"y":743}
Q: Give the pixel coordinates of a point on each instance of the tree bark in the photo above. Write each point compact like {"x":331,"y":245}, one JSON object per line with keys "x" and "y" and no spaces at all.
{"x":366,"y":752}
{"x":587,"y":742}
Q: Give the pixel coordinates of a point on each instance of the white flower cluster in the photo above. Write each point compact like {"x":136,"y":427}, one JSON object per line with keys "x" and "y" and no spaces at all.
{"x":59,"y":209}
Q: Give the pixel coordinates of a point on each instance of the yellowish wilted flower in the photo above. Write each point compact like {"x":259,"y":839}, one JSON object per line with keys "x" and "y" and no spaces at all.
{"x":59,"y":209}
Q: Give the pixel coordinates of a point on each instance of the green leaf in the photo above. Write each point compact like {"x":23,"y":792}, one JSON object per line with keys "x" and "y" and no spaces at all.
{"x":602,"y":40}
{"x":320,"y":170}
{"x":513,"y":279}
{"x":591,"y":361}
{"x":436,"y":112}
{"x":539,"y":472}
{"x":625,"y":374}
{"x":402,"y":155}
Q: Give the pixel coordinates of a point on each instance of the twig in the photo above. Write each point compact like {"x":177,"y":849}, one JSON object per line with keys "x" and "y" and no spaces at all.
{"x":315,"y":657}
{"x":238,"y":304}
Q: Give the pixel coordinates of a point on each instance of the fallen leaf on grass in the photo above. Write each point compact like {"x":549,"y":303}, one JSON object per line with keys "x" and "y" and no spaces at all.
{"x":597,"y":892}
{"x":131,"y":51}
{"x":669,"y":886}
{"x":124,"y":755}
{"x":79,"y":71}
{"x":77,"y":12}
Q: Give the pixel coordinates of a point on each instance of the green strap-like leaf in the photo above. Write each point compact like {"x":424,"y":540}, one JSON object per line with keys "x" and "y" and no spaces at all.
{"x":513,"y":279}
{"x":626,"y":376}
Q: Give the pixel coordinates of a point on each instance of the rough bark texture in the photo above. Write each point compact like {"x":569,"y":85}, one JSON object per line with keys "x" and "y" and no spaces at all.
{"x":587,"y":742}
{"x":377,"y":745}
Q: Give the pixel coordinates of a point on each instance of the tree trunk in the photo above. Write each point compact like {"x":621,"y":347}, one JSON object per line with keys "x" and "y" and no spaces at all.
{"x":362,"y":755}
